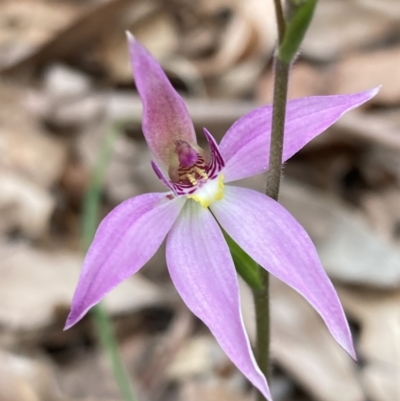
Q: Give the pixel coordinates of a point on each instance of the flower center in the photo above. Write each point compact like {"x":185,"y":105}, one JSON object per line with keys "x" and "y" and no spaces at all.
{"x":194,"y":173}
{"x":209,"y":192}
{"x":193,"y":176}
{"x":187,"y":165}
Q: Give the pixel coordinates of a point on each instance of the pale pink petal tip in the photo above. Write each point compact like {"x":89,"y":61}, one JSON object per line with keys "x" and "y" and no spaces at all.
{"x":125,"y":240}
{"x":129,"y":36}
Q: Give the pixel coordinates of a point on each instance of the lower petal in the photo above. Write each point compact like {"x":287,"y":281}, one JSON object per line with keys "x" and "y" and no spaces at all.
{"x":267,"y":232}
{"x":203,"y":273}
{"x":125,"y":240}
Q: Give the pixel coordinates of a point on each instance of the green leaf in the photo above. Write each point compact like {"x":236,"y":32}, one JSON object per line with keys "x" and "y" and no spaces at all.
{"x":91,"y":202}
{"x":296,"y":28}
{"x":90,"y":220}
{"x":246,"y":267}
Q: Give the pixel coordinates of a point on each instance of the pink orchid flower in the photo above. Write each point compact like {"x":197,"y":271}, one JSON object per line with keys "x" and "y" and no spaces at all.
{"x":198,"y":201}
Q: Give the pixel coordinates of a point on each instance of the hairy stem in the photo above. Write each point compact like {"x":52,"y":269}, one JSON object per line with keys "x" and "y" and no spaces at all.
{"x":261,"y":297}
{"x":278,"y":126}
{"x":261,"y":302}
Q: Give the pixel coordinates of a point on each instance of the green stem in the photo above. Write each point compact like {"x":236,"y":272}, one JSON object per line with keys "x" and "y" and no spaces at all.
{"x":262,"y":297}
{"x":110,"y":345}
{"x":278,"y":126}
{"x":261,"y":303}
{"x":91,"y":207}
{"x":280,"y":20}
{"x":291,"y":31}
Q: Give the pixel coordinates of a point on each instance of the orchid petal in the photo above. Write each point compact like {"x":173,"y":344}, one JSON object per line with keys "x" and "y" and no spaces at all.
{"x":125,"y":240}
{"x":277,"y":242}
{"x":245,"y":147}
{"x":216,"y":160}
{"x":165,"y":116}
{"x":162,"y":177}
{"x":203,"y":273}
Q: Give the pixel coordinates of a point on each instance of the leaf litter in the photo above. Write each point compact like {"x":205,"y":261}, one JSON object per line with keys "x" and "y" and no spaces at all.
{"x":65,"y":82}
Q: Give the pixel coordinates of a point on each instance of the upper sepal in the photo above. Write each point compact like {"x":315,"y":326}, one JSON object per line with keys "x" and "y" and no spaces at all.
{"x":165,"y":116}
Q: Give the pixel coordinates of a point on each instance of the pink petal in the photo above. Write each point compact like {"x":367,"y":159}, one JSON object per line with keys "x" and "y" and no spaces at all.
{"x":162,"y":177}
{"x":275,"y":240}
{"x":216,"y":163}
{"x":125,"y":240}
{"x":204,"y":275}
{"x":245,"y":147}
{"x":165,"y":117}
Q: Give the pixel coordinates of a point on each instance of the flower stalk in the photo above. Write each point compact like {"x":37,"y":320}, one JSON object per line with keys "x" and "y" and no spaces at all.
{"x":274,"y":174}
{"x":262,"y":312}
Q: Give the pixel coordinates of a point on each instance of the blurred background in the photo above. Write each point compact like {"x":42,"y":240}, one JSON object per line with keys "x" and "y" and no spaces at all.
{"x":65,"y":84}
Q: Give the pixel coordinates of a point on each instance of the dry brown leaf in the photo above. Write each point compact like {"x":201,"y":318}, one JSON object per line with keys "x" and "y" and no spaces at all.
{"x":28,"y":24}
{"x":383,"y":210}
{"x":92,"y":22}
{"x":367,"y":70}
{"x":391,"y":8}
{"x":201,"y":25}
{"x":199,"y":356}
{"x":152,"y":26}
{"x":25,"y":207}
{"x":234,"y":44}
{"x":197,"y":391}
{"x":379,"y":316}
{"x":250,"y":35}
{"x":382,"y":166}
{"x":238,"y":81}
{"x":24,"y":379}
{"x":24,"y":147}
{"x":223,"y":38}
{"x":35,"y":283}
{"x":305,"y":80}
{"x":62,"y":84}
{"x":66,"y":100}
{"x":342,"y":25}
{"x":162,"y":350}
{"x":380,"y":129}
{"x":88,"y":378}
{"x":34,"y":155}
